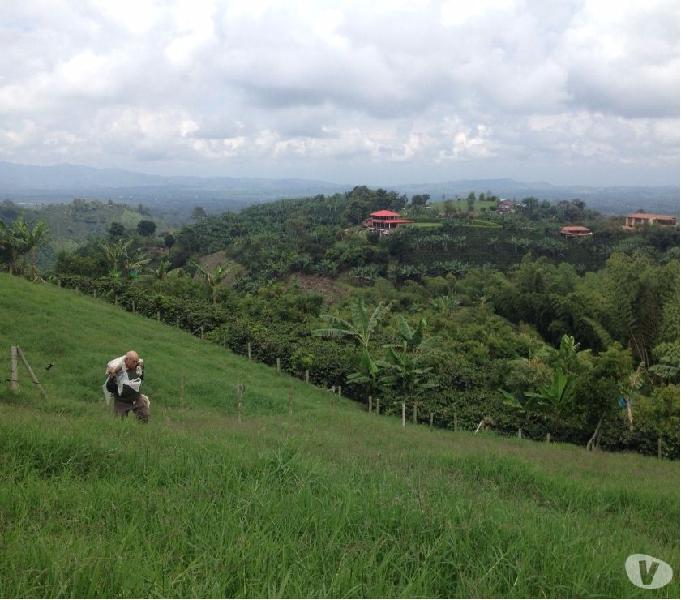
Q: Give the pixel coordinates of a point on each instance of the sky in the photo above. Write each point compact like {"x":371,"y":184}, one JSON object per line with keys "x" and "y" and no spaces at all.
{"x":378,"y":92}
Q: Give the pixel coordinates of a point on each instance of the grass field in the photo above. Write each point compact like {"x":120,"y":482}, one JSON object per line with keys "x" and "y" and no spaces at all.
{"x":462,"y":204}
{"x":426,"y":225}
{"x":326,"y":501}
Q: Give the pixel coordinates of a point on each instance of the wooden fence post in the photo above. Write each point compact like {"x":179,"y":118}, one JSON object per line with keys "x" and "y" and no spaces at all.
{"x":414,"y":413}
{"x":431,"y":421}
{"x":249,"y":351}
{"x":370,"y":407}
{"x":456,"y":423}
{"x":659,"y":448}
{"x":378,"y":406}
{"x":13,"y":382}
{"x":307,"y":375}
{"x":158,"y":316}
{"x":201,"y":331}
{"x":404,"y":414}
{"x":115,"y":299}
{"x":548,"y":437}
{"x":278,"y":365}
{"x":520,"y":434}
{"x":239,"y":400}
{"x":94,"y":293}
{"x":290,"y":401}
{"x":339,"y":391}
{"x":177,"y":322}
{"x":133,"y":306}
{"x":34,"y":379}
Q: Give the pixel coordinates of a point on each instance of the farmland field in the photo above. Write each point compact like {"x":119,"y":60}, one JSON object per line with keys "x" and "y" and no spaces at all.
{"x":308,"y":498}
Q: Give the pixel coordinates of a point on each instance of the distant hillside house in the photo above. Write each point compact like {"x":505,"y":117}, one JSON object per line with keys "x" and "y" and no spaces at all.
{"x":506,"y":206}
{"x":385,"y":221}
{"x":570,"y":231}
{"x":643,"y":218}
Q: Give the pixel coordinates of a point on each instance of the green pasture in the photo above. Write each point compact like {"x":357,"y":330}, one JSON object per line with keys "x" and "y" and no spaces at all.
{"x":425,"y":225}
{"x":311,"y":497}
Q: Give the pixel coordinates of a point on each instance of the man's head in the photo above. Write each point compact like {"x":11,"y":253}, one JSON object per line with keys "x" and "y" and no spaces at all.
{"x":132,"y":359}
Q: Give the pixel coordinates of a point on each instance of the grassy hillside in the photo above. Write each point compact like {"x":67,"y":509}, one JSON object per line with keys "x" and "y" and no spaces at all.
{"x":326,"y":501}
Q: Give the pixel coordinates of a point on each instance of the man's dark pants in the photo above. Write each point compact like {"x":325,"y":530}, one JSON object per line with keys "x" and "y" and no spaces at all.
{"x":129,"y":400}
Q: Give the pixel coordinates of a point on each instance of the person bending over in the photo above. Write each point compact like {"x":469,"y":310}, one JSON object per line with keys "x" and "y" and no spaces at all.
{"x":124,"y":378}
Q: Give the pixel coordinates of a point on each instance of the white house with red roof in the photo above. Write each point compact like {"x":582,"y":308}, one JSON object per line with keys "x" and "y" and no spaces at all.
{"x":385,"y":221}
{"x":643,"y":218}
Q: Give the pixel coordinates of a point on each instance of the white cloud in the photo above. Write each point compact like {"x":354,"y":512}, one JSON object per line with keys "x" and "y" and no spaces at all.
{"x":301,"y":83}
{"x":134,"y":16}
{"x":458,"y":12}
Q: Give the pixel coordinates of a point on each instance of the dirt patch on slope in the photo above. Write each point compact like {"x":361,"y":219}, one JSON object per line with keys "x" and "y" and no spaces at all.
{"x":330,"y":289}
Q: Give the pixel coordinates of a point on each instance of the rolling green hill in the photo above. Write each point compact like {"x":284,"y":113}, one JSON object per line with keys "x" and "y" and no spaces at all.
{"x":319,"y":500}
{"x":70,"y":224}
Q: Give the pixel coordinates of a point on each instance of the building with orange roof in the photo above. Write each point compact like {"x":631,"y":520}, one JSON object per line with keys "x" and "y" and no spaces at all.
{"x":643,"y":218}
{"x":385,"y":221}
{"x":575,"y":231}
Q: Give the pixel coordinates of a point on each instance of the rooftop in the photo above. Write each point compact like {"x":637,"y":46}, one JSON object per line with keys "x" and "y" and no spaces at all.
{"x":645,"y":215}
{"x":575,"y":228}
{"x":385,"y":213}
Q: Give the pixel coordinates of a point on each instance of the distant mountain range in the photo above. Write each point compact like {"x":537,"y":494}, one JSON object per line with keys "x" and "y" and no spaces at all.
{"x":59,"y":183}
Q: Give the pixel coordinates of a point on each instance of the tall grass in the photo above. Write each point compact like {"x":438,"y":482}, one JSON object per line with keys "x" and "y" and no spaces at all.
{"x":328,"y":501}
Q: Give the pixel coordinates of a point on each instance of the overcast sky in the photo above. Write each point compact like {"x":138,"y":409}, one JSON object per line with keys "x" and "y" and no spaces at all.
{"x":376,"y":92}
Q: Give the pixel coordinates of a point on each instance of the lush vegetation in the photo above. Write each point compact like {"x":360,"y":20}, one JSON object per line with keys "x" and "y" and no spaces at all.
{"x":71,"y":224}
{"x":326,"y":500}
{"x":483,"y":318}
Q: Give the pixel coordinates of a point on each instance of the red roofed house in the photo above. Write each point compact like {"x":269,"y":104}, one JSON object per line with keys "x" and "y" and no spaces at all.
{"x":385,"y":221}
{"x":643,"y":218}
{"x":575,"y":231}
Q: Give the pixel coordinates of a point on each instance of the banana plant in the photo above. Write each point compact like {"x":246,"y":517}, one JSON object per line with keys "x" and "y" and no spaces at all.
{"x":553,"y":399}
{"x":403,"y":364}
{"x":35,"y":237}
{"x":367,"y":374}
{"x":121,"y":263}
{"x":213,"y":278}
{"x":14,"y":241}
{"x":405,"y":375}
{"x":361,"y":325}
{"x":161,"y":271}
